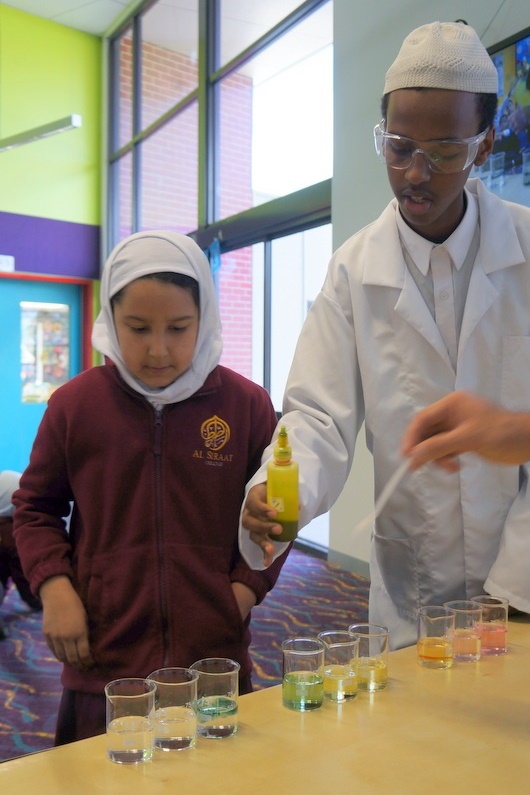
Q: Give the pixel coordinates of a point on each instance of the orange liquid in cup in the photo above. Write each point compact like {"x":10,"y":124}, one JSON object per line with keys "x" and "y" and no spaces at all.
{"x":435,"y":652}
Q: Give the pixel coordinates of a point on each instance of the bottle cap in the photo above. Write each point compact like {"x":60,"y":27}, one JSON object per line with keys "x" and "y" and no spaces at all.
{"x":282,"y":450}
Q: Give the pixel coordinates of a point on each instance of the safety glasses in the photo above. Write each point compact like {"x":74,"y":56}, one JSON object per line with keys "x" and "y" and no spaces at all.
{"x":446,"y":156}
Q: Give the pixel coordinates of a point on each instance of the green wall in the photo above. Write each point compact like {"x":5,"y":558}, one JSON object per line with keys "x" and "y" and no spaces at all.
{"x":49,"y":71}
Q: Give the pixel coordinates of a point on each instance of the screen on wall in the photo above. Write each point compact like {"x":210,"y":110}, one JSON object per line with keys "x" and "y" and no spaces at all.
{"x":507,"y":172}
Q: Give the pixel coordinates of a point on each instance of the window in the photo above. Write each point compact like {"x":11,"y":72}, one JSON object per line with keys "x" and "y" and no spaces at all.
{"x":276,"y":118}
{"x":123,"y":80}
{"x":240,"y":27}
{"x":221,"y":127}
{"x":298,"y":267}
{"x":154,"y":126}
{"x":169,"y":175}
{"x":240,"y":295}
{"x":265,"y":292}
{"x":204,"y":128}
{"x":169,"y":58}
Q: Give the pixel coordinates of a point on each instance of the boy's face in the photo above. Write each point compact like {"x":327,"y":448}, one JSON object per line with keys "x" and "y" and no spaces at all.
{"x":432,"y":203}
{"x":157,"y":326}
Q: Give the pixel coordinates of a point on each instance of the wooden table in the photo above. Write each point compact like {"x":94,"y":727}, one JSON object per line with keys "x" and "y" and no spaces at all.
{"x":463,"y":730}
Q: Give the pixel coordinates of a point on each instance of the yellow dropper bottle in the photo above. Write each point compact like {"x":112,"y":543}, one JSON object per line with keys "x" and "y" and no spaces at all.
{"x":282,"y":487}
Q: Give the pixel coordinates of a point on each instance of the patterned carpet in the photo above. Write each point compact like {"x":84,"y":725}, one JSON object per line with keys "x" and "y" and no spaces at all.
{"x":29,"y":682}
{"x":310,"y":596}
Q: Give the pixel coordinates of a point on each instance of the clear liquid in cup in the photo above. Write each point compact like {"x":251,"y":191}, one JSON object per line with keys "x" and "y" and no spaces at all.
{"x":340,"y":682}
{"x":130,"y":740}
{"x":303,"y":690}
{"x":467,"y":645}
{"x":493,"y":638}
{"x":435,"y":652}
{"x":372,"y":674}
{"x":216,"y":716}
{"x":175,"y":728}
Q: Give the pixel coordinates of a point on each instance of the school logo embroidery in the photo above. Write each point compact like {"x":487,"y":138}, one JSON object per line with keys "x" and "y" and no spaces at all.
{"x":215,"y":432}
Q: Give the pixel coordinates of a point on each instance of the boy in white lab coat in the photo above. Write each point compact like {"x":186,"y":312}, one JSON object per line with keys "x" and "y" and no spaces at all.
{"x":431,"y":297}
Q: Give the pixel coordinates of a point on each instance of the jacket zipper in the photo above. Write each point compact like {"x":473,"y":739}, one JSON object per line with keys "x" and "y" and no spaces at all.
{"x":157,"y":450}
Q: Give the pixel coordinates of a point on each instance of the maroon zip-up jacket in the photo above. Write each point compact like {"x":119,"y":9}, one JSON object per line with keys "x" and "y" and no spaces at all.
{"x":152,"y":543}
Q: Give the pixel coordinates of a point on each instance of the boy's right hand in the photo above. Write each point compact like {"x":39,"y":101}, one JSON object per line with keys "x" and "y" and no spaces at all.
{"x":258,"y":518}
{"x":64,"y":623}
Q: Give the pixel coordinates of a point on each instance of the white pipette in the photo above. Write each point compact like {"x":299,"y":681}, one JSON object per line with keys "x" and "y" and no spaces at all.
{"x":383,"y":498}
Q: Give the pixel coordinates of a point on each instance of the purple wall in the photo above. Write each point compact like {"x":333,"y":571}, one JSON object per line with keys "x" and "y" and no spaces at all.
{"x":57,"y":248}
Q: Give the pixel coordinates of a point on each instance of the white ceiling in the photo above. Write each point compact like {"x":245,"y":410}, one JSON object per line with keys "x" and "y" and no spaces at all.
{"x":175,"y":26}
{"x":91,"y":16}
{"x":97,"y":16}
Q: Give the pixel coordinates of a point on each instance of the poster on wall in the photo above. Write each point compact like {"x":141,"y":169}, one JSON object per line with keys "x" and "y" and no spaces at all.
{"x":44,"y":349}
{"x":507,"y":170}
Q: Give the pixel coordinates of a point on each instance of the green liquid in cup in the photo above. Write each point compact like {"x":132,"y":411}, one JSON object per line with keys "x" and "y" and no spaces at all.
{"x":216,"y":716}
{"x":303,"y":690}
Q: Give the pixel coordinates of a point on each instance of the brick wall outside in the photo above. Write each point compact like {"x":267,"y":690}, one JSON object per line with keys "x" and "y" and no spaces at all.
{"x":170,"y":174}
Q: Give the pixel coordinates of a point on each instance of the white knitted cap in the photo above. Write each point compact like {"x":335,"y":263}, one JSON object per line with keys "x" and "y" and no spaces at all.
{"x":446,"y":55}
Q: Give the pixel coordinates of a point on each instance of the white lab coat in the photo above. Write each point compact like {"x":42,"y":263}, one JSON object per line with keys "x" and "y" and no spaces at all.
{"x":370,"y":350}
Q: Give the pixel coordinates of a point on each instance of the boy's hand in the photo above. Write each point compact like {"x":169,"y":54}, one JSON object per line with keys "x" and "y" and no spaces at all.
{"x":258,"y":518}
{"x":245,"y":598}
{"x":462,"y":422}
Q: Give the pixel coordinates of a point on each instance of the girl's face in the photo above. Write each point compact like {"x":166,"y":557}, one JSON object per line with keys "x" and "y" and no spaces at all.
{"x":157,"y":326}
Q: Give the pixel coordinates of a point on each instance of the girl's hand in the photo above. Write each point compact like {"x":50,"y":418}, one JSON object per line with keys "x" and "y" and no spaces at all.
{"x":64,"y":623}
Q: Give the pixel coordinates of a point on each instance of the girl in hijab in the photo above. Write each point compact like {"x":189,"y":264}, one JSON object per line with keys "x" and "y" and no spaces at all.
{"x":153,"y":449}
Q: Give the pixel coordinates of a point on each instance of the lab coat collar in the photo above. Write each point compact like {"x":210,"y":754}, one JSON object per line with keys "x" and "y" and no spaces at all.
{"x":457,"y":244}
{"x":499,"y":242}
{"x":499,"y":245}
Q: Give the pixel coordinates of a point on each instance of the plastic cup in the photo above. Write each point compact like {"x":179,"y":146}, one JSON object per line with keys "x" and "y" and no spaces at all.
{"x":372,"y":666}
{"x":217,"y":697}
{"x":340,"y":664}
{"x":303,"y":673}
{"x":468,"y":620}
{"x":494,"y":627}
{"x":436,"y":625}
{"x":175,"y":719}
{"x":130,"y":720}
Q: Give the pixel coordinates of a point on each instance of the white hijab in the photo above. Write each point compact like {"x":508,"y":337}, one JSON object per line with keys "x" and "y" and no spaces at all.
{"x":161,"y":252}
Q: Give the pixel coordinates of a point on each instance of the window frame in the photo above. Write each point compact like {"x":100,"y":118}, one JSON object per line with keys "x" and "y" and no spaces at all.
{"x":287,"y":215}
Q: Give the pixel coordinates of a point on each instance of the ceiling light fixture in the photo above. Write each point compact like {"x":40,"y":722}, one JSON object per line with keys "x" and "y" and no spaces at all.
{"x":27,"y":137}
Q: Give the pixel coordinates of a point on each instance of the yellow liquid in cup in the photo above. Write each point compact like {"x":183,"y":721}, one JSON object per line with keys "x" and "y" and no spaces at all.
{"x":340,"y":682}
{"x":372,"y":674}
